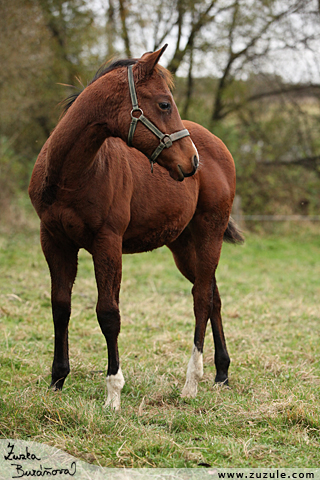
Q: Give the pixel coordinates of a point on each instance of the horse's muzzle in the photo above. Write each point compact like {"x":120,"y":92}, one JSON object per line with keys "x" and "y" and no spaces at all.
{"x":195,"y":167}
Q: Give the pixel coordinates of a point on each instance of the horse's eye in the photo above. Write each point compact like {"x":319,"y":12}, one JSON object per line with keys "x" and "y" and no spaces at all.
{"x":164,"y":105}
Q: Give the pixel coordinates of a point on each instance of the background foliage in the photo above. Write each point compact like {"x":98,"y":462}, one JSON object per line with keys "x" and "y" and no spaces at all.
{"x":248,"y":71}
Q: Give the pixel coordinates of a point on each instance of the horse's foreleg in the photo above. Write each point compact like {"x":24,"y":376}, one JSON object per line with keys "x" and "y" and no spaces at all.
{"x":62,"y":262}
{"x":107,"y":263}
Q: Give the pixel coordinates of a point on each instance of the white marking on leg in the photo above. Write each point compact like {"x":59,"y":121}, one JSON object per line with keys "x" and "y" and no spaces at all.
{"x":194,"y":374}
{"x":114,"y":386}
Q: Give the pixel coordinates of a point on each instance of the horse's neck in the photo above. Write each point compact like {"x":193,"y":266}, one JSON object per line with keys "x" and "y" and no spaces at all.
{"x":73,"y":145}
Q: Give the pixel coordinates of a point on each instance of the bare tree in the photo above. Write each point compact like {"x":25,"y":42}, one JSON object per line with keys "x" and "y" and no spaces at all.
{"x":266,"y":19}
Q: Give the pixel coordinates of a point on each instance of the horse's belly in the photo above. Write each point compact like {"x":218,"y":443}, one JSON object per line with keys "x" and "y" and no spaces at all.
{"x":146,"y":233}
{"x":151,"y":239}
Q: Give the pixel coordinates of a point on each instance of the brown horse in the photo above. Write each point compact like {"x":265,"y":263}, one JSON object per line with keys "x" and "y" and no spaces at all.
{"x":92,"y":191}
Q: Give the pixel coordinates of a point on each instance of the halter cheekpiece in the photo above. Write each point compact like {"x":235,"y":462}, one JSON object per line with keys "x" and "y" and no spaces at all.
{"x":166,"y":140}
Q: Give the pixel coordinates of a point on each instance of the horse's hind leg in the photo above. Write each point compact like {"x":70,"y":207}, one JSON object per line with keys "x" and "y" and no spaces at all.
{"x":221,"y":356}
{"x":108,"y":265}
{"x":196,"y":253}
{"x":62,"y":261}
{"x":185,"y":257}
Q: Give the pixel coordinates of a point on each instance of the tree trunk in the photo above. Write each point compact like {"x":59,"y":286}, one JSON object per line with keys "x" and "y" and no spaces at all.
{"x":189,"y":86}
{"x":124,"y":33}
{"x":111,"y":28}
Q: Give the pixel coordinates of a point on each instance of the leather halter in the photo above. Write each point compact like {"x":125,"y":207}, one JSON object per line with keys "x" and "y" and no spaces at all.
{"x":165,"y":139}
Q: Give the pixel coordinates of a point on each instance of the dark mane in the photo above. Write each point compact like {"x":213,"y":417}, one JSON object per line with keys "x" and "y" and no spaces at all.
{"x":106,"y":68}
{"x":103,"y":70}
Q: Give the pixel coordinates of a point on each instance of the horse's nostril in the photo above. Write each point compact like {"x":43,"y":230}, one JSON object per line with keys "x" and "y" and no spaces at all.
{"x":195,"y":161}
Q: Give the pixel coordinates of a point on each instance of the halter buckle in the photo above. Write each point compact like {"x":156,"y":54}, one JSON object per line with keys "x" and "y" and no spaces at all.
{"x":166,"y":140}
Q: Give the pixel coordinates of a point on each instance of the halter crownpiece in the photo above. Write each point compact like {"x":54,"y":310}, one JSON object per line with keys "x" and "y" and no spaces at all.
{"x":166,"y":140}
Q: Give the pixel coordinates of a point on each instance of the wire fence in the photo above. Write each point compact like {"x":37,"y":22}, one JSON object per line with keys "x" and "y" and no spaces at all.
{"x":242,"y":219}
{"x":277,"y":218}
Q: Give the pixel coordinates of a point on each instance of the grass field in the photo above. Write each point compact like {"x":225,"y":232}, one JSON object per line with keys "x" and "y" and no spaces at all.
{"x":270,"y":415}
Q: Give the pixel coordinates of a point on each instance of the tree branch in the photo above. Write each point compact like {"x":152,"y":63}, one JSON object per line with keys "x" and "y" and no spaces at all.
{"x":271,"y":93}
{"x":158,"y":42}
{"x":310,"y":163}
{"x":178,"y":56}
{"x":217,"y":113}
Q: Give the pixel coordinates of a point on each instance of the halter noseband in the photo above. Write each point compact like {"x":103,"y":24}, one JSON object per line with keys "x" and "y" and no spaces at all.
{"x":165,"y":139}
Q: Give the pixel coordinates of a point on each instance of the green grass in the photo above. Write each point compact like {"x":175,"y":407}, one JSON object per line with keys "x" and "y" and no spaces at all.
{"x":269,"y":416}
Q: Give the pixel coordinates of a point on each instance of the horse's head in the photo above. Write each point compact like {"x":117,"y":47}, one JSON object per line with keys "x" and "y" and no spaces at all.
{"x":148,"y":118}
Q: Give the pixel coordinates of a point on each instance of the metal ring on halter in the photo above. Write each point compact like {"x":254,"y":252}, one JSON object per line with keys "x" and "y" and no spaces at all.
{"x":136,"y":110}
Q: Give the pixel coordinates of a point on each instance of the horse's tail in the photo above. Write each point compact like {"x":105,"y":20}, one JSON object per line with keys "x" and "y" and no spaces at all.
{"x":233,"y":233}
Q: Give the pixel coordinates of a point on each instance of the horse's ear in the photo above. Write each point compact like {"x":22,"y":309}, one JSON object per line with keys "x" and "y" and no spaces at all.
{"x":150,"y":59}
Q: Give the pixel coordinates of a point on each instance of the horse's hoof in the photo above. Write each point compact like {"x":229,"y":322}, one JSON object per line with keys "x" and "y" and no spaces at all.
{"x":115,"y":384}
{"x":57,"y":385}
{"x":189,"y":390}
{"x":221,"y":380}
{"x":113,"y":404}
